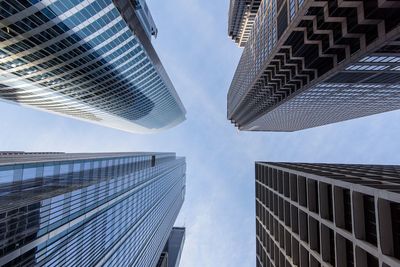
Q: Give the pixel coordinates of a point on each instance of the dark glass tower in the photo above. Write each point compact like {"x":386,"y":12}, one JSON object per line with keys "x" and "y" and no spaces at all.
{"x":171,"y":255}
{"x":101,"y":209}
{"x":310,"y":63}
{"x":88,"y":59}
{"x":327,"y":215}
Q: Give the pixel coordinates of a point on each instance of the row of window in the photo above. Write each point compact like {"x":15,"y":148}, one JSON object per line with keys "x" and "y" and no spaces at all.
{"x":127,"y":202}
{"x":305,"y":206}
{"x":21,"y":172}
{"x":90,"y":56}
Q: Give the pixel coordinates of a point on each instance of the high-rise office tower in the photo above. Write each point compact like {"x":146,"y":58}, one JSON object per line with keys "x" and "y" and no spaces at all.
{"x":171,"y":255}
{"x":327,"y":215}
{"x":241,"y":18}
{"x":100,"y":209}
{"x":310,"y":63}
{"x":92,"y":60}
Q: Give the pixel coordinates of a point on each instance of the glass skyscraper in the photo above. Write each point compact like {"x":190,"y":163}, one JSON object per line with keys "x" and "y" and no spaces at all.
{"x":101,"y":209}
{"x":171,"y":255}
{"x":310,"y":63}
{"x":89,"y":59}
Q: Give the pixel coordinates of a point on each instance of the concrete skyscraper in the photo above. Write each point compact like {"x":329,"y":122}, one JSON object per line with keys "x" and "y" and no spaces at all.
{"x":100,"y":209}
{"x":327,"y":215}
{"x":87,"y":59}
{"x":309,"y":63}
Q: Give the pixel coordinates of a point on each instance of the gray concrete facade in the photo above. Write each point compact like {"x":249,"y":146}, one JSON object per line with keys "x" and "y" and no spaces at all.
{"x":327,"y":215}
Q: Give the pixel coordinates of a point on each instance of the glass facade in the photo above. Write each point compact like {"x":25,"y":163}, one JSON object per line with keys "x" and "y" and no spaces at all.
{"x":80,"y":58}
{"x":112,"y":209}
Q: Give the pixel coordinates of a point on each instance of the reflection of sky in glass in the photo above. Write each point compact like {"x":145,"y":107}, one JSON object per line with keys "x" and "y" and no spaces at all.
{"x":71,"y":207}
{"x":6,"y":175}
{"x":80,"y":58}
{"x":29,"y":173}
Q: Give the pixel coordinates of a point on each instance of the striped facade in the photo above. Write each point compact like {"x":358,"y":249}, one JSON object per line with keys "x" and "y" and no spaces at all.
{"x":241,"y":18}
{"x":313,"y":215}
{"x":87,"y":59}
{"x":101,"y":209}
{"x":310,"y":63}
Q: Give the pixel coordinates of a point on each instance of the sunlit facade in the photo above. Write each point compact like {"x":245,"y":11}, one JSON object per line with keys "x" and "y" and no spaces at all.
{"x":311,"y":63}
{"x":92,"y":60}
{"x":241,"y":19}
{"x":100,"y":209}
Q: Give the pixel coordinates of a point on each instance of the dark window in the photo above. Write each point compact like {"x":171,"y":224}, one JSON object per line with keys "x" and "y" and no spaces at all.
{"x":369,"y":218}
{"x":347,"y":210}
{"x":349,"y":253}
{"x":282,"y":21}
{"x":372,"y":261}
{"x":395,"y":210}
{"x":349,"y":77}
{"x":330,"y":203}
{"x":332,"y":247}
{"x":302,"y":187}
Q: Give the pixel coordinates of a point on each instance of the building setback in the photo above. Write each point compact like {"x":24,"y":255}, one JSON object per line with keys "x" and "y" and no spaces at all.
{"x":327,"y":215}
{"x":310,"y":63}
{"x":241,"y":18}
{"x":91,"y":60}
{"x":171,"y":255}
{"x":100,"y":209}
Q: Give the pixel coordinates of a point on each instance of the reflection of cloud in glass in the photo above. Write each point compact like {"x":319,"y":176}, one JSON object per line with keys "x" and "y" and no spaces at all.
{"x":83,"y":60}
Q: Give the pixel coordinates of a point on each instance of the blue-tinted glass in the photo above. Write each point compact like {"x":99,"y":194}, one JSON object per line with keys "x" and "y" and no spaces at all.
{"x":29,"y":173}
{"x":6,"y":174}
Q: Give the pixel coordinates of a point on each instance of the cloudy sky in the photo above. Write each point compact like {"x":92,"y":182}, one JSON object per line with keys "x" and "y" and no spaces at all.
{"x":219,"y":209}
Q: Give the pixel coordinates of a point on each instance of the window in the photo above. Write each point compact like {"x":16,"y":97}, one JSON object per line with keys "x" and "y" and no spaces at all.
{"x":6,"y":175}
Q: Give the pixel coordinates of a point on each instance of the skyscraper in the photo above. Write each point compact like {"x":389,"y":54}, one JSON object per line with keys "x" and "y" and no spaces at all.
{"x":100,"y":209}
{"x":241,"y":18}
{"x":310,"y":63}
{"x":92,"y":60}
{"x":327,"y":215}
{"x":171,"y":255}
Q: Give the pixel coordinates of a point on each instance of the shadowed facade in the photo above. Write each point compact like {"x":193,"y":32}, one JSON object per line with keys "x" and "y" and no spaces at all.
{"x":327,"y":215}
{"x":311,"y":63}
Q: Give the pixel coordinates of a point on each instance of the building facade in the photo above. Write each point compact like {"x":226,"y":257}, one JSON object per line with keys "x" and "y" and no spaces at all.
{"x":91,"y":60}
{"x":327,"y":215}
{"x":171,"y":255}
{"x":310,"y":63}
{"x":241,"y":18}
{"x":100,"y":209}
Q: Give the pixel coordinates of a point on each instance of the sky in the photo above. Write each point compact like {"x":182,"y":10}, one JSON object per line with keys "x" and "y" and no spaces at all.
{"x":219,"y":209}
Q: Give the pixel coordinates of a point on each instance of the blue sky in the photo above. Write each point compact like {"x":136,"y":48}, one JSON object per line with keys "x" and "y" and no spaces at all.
{"x":219,"y":209}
